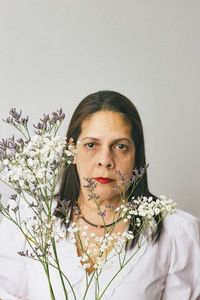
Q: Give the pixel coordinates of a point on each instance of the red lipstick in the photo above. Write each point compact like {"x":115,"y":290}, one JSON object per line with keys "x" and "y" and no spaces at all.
{"x":103,"y":180}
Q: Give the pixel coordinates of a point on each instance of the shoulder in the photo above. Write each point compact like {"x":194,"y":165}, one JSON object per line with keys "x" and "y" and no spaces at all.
{"x":181,"y":223}
{"x":182,"y":238}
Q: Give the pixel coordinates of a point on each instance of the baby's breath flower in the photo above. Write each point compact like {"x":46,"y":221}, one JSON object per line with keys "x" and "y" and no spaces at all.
{"x":84,"y":258}
{"x":5,"y":162}
{"x":86,"y":266}
{"x":138,"y":222}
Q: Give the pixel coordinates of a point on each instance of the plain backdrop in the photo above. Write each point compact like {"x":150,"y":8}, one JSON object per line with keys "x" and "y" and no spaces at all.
{"x":54,"y":53}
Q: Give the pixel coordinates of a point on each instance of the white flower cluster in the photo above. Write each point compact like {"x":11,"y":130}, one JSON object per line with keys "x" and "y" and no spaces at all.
{"x":95,"y":248}
{"x":39,"y":161}
{"x":147,"y":208}
{"x":40,"y":231}
{"x":139,"y":212}
{"x":121,"y":240}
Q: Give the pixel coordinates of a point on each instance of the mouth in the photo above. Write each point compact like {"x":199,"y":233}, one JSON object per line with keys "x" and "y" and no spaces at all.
{"x":103,"y":180}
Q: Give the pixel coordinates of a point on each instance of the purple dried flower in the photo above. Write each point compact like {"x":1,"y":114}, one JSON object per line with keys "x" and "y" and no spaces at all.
{"x":135,"y":172}
{"x":102,"y":213}
{"x":15,"y":209}
{"x":43,"y":125}
{"x":21,"y":253}
{"x":15,"y":114}
{"x":24,"y":121}
{"x":131,"y":180}
{"x":16,"y":119}
{"x":61,"y":115}
{"x":13,"y":145}
{"x":118,"y":172}
{"x":13,"y":197}
{"x":93,"y":196}
{"x":7,"y":208}
{"x":57,"y":116}
{"x":91,"y":184}
{"x":2,"y":145}
{"x":38,"y":132}
{"x":36,"y":249}
{"x":110,"y":206}
{"x":45,"y":118}
{"x":46,"y":122}
{"x":63,"y":206}
{"x":8,"y":120}
{"x":9,"y":148}
{"x":21,"y":142}
{"x":54,"y":118}
{"x":3,"y":148}
{"x":40,"y":126}
{"x":18,"y":190}
{"x":122,"y":179}
{"x":138,"y":173}
{"x":116,"y":187}
{"x":32,"y":205}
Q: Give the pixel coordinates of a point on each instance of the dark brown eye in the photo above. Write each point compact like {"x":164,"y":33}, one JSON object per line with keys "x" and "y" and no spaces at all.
{"x":90,"y":145}
{"x":121,"y":147}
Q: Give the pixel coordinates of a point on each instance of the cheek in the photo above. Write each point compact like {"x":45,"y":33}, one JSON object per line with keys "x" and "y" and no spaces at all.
{"x":84,"y":166}
{"x":86,"y":158}
{"x":125,"y":163}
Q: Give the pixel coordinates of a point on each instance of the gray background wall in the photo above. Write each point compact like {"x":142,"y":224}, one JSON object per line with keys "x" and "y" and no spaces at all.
{"x":54,"y":53}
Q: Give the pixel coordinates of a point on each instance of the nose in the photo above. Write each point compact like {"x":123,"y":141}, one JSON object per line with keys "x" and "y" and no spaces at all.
{"x":106,"y":159}
{"x":105,"y":164}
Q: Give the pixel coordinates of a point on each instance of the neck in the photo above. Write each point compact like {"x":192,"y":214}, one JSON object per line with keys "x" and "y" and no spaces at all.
{"x":94,"y":212}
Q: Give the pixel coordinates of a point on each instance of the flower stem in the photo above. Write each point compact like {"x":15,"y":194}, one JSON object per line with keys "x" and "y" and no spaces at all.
{"x":59,"y":270}
{"x":88,"y":285}
{"x":46,"y":268}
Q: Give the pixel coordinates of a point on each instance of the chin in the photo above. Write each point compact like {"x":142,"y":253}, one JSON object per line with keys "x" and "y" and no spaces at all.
{"x":107,"y":194}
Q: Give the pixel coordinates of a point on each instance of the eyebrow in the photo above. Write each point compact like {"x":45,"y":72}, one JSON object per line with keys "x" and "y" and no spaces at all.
{"x":114,"y":141}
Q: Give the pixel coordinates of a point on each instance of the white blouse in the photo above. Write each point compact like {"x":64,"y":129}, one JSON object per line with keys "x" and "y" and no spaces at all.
{"x":167,"y":270}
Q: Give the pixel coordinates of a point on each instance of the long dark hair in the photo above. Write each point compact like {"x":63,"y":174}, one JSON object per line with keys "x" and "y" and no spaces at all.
{"x":100,"y":101}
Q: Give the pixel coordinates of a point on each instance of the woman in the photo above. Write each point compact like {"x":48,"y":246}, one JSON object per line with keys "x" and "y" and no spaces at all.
{"x":112,"y":116}
{"x":106,"y":132}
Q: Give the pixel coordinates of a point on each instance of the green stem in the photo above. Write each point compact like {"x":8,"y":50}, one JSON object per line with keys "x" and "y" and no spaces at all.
{"x":88,"y":285}
{"x":46,"y":268}
{"x":59,"y":270}
{"x":21,"y":131}
{"x":126,"y":263}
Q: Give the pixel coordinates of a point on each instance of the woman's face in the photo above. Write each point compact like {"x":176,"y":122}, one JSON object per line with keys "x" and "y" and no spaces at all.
{"x":104,"y":146}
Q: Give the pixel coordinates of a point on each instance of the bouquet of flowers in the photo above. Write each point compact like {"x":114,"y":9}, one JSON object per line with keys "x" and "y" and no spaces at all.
{"x":32,"y":166}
